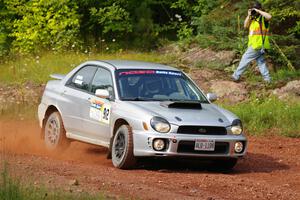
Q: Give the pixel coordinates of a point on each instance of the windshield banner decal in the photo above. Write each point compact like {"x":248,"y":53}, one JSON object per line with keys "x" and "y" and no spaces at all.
{"x":142,"y":72}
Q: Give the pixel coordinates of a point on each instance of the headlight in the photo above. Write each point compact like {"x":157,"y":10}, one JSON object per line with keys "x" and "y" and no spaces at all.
{"x":160,"y":124}
{"x":236,"y":127}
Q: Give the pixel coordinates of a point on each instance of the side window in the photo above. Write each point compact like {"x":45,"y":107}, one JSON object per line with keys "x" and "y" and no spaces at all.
{"x":102,"y":80}
{"x":83,"y":78}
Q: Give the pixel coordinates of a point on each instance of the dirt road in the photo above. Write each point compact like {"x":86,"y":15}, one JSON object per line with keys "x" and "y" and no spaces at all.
{"x":271,"y":170}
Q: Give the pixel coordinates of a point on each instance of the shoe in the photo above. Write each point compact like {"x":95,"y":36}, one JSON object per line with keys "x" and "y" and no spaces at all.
{"x":234,"y":79}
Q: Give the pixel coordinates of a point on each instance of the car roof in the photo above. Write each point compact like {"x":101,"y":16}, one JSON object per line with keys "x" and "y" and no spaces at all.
{"x":127,"y":64}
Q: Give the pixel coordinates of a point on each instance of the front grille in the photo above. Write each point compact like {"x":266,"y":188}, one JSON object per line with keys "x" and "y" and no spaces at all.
{"x":189,"y":147}
{"x":202,"y":130}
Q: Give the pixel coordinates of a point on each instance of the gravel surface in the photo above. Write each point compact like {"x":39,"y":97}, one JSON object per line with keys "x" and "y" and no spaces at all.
{"x":270,"y":170}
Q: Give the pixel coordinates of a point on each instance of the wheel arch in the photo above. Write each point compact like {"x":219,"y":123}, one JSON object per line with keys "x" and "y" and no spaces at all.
{"x":50,"y":109}
{"x":119,"y":122}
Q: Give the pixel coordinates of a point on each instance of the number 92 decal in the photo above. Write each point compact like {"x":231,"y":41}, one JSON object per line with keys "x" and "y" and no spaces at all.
{"x":100,"y":111}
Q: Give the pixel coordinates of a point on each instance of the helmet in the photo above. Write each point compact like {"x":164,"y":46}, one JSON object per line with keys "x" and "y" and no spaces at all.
{"x":152,"y":86}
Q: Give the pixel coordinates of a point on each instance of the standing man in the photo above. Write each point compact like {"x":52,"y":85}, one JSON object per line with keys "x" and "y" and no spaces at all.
{"x":258,"y":23}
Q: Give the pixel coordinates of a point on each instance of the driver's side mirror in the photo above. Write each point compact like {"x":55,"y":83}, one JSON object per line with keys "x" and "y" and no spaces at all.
{"x":212,"y":97}
{"x":101,"y":93}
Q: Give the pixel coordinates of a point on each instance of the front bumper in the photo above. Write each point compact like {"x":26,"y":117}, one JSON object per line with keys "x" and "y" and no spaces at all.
{"x":184,"y":145}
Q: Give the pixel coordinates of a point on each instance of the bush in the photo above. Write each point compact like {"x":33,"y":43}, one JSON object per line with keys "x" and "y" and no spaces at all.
{"x":44,"y":24}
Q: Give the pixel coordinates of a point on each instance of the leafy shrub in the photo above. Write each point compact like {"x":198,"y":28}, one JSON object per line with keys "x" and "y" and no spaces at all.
{"x":44,"y":24}
{"x":111,"y":19}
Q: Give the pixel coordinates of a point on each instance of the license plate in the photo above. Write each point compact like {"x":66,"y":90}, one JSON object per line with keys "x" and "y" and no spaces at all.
{"x":204,"y":145}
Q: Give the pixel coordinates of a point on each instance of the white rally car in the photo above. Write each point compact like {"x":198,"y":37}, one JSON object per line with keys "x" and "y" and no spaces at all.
{"x":138,"y":109}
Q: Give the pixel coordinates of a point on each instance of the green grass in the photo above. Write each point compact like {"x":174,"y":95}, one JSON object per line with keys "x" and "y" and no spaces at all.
{"x":23,"y":111}
{"x":285,"y":75}
{"x":269,"y":115}
{"x":38,"y":68}
{"x":12,"y":189}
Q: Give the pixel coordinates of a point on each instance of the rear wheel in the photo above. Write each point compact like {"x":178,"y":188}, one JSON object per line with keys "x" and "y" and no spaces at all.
{"x":54,"y":133}
{"x":122,"y":148}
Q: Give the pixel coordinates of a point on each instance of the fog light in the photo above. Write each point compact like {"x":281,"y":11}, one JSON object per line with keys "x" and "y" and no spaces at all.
{"x":158,"y":144}
{"x":238,"y":147}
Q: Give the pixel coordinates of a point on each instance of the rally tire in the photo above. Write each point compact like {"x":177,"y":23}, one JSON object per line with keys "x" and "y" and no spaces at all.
{"x":54,"y":133}
{"x":122,"y":148}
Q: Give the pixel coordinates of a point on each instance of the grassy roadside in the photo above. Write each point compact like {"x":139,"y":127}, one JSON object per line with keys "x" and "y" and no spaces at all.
{"x":13,"y":189}
{"x":37,"y":68}
{"x":269,"y":115}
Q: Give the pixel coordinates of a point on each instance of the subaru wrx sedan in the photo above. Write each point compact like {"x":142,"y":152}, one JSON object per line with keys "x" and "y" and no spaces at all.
{"x":138,"y":109}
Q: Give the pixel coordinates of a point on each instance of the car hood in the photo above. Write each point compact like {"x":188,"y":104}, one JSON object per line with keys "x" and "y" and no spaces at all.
{"x":208,"y":115}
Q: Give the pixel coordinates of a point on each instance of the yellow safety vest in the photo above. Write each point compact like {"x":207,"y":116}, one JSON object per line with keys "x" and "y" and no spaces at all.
{"x":256,"y":35}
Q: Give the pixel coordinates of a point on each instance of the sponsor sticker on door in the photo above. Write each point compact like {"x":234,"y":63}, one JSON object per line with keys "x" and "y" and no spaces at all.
{"x":100,"y":111}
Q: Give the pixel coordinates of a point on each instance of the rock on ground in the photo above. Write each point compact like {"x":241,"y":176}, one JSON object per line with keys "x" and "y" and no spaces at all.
{"x":213,"y":81}
{"x":290,"y":91}
{"x":231,"y":91}
{"x":204,"y":77}
{"x":208,"y":58}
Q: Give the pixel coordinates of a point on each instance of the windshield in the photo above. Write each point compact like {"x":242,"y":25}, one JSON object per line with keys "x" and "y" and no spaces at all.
{"x":156,"y":85}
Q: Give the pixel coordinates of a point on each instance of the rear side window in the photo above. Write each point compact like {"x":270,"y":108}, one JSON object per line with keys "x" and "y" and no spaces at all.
{"x":83,"y":78}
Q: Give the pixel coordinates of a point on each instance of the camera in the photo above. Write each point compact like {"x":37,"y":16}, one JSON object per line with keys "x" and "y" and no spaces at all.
{"x":253,"y":12}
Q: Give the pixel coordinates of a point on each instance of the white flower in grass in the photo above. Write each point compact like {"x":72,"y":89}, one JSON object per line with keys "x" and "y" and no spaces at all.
{"x":114,"y":40}
{"x":177,"y":16}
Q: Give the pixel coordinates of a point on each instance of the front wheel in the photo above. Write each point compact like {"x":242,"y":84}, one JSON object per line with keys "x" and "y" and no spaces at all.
{"x":122,"y":148}
{"x":54,"y":133}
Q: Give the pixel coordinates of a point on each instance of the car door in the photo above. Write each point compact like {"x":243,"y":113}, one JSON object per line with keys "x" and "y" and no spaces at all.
{"x":75,"y":96}
{"x":96,"y":112}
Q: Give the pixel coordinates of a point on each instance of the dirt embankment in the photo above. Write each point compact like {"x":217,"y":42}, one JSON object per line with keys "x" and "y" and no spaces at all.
{"x":271,"y":170}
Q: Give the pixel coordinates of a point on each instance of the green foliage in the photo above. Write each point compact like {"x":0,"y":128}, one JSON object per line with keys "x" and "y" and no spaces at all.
{"x":286,"y":30}
{"x":267,"y":115}
{"x":185,"y":32}
{"x":29,"y":26}
{"x":286,"y":16}
{"x":44,"y":24}
{"x":112,"y":19}
{"x":284,"y":75}
{"x":144,"y":27}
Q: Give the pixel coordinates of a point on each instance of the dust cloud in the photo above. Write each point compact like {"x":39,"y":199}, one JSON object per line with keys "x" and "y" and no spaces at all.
{"x":23,"y":137}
